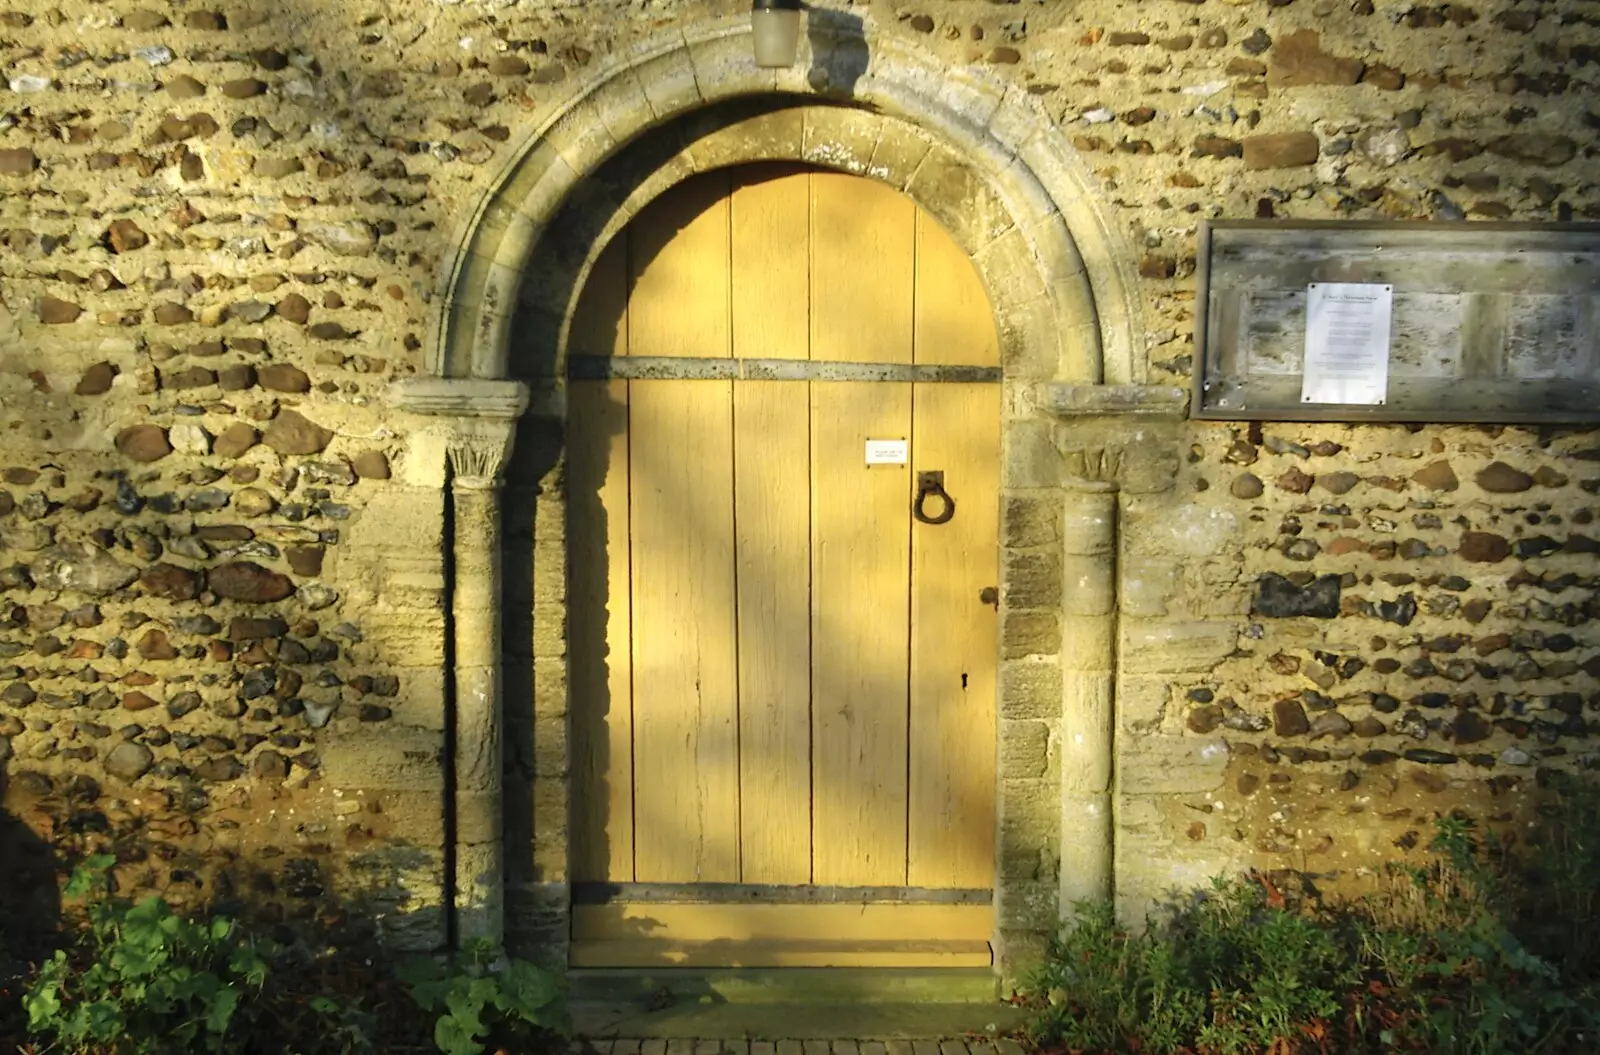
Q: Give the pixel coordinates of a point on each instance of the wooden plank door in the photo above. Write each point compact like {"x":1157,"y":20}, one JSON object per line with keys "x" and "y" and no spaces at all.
{"x":783,"y":684}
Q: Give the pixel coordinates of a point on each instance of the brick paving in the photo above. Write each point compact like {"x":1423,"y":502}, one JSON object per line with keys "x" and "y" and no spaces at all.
{"x":713,"y":1046}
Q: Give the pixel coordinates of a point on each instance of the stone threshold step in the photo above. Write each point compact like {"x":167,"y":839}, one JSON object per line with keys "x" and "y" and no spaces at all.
{"x":813,"y":1023}
{"x":661,"y":987}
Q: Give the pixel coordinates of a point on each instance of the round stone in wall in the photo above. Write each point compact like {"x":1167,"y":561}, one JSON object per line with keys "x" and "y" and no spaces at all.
{"x":129,"y":761}
{"x":315,"y":595}
{"x":270,"y":765}
{"x":190,"y":439}
{"x":291,"y":433}
{"x":371,"y":465}
{"x":253,"y":502}
{"x":81,"y":567}
{"x":144,"y":443}
{"x":235,"y":440}
{"x":246,"y":581}
{"x":1500,"y":478}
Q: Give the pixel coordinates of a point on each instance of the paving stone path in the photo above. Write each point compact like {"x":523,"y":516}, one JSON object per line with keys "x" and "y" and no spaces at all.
{"x":795,"y":1047}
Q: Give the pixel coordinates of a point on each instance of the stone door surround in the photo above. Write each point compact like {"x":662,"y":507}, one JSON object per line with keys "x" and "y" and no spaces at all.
{"x":980,"y":156}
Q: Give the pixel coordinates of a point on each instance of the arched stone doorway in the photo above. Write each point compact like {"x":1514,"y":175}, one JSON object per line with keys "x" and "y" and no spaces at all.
{"x":976,"y":155}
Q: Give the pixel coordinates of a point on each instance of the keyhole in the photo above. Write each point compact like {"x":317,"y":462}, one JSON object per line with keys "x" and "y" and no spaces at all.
{"x":963,"y":679}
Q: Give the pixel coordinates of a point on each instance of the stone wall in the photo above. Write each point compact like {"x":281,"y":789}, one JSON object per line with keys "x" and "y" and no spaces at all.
{"x":223,"y":640}
{"x":1333,"y":634}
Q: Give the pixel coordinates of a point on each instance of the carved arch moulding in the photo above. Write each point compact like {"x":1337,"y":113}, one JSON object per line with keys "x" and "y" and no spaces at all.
{"x":1060,"y":275}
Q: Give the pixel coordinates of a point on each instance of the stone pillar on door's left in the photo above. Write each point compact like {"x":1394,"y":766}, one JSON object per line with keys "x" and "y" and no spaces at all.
{"x":479,"y":425}
{"x":478,"y":453}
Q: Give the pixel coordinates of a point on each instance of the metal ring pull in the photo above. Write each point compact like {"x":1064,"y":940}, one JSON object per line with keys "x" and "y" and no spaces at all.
{"x":932,"y":483}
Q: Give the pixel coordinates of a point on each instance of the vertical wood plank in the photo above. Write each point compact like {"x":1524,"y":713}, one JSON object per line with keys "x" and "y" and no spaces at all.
{"x":860,"y":638}
{"x":954,"y":323}
{"x":686,"y":765}
{"x":955,"y":428}
{"x":863,"y":242}
{"x":863,"y":239}
{"x":686,"y":757}
{"x":771,"y":238}
{"x":678,"y":248}
{"x":772,"y":485}
{"x":599,"y":615}
{"x":770,"y":245}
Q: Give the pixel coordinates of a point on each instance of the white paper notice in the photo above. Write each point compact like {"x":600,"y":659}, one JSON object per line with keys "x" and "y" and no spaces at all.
{"x":886,"y":452}
{"x":1347,"y":343}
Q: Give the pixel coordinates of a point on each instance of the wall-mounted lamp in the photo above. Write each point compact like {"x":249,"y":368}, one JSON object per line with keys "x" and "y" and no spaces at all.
{"x":775,"y":29}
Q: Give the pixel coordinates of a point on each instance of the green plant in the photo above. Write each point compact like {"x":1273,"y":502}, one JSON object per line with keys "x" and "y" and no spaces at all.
{"x":1221,"y":972}
{"x":1439,"y":959}
{"x":344,"y":1028}
{"x":479,"y":997}
{"x":142,"y":978}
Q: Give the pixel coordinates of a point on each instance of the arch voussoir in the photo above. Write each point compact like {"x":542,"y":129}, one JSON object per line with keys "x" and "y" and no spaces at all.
{"x":967,"y":145}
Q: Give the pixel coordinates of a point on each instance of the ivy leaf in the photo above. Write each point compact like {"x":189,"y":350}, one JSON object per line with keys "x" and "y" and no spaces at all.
{"x":454,"y":1037}
{"x":85,"y":875}
{"x":466,"y":1007}
{"x":430,"y":996}
{"x":43,"y":1004}
{"x":223,"y":1004}
{"x":104,"y":1020}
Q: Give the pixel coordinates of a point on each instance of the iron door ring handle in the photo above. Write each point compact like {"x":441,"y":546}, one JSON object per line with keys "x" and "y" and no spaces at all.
{"x":932,"y":483}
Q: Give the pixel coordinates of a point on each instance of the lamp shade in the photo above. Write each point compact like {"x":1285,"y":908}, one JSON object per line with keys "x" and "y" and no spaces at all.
{"x":775,"y":31}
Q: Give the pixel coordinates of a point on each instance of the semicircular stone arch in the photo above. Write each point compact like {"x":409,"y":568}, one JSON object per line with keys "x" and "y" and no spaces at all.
{"x":860,"y":142}
{"x":973,"y":152}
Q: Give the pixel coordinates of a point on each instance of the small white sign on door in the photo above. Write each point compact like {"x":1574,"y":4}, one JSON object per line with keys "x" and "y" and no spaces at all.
{"x":886,"y":452}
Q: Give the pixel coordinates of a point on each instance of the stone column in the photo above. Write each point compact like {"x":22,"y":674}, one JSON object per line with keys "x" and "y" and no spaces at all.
{"x":477,"y":459}
{"x":1088,"y":674}
{"x":478,"y":426}
{"x":1110,"y":437}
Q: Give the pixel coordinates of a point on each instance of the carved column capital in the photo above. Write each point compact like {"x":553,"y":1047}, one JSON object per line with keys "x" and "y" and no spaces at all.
{"x":1092,"y":470}
{"x":1115,"y":437}
{"x":479,"y":450}
{"x":478,"y":418}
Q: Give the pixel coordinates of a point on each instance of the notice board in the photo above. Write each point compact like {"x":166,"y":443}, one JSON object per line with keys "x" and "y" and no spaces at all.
{"x":1486,"y":322}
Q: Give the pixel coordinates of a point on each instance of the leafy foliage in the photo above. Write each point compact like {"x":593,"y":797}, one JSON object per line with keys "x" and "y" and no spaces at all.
{"x":1455,"y":957}
{"x":478,"y":998}
{"x":143,"y":979}
{"x":154,"y":981}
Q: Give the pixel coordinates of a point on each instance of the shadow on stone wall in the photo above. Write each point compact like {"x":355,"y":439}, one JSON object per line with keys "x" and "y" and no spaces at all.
{"x":330,"y":923}
{"x":30,"y":912}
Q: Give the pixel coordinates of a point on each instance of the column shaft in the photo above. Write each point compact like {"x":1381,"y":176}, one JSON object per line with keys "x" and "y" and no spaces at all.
{"x":1088,"y":661}
{"x":479,"y":850}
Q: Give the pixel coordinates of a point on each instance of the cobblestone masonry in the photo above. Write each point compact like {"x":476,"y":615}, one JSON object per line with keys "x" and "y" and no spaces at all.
{"x":223,"y":639}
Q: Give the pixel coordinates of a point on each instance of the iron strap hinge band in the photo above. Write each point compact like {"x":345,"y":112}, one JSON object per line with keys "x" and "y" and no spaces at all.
{"x":695,"y":368}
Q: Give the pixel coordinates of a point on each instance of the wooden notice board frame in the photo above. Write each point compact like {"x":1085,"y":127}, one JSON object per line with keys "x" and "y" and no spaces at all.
{"x":1493,"y":322}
